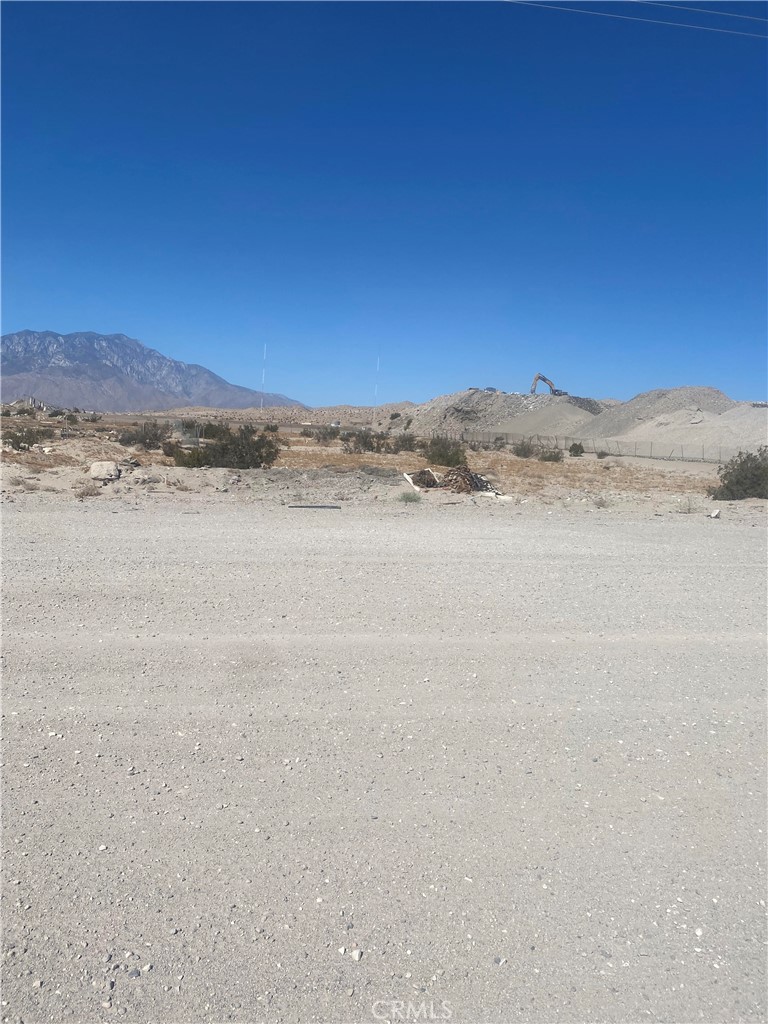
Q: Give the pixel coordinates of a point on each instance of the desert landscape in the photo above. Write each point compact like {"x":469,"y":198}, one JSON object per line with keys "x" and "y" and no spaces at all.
{"x":383,"y":507}
{"x":306,"y":743}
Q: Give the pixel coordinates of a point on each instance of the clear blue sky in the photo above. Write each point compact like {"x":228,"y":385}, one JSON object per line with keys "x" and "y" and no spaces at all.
{"x":474,"y":191}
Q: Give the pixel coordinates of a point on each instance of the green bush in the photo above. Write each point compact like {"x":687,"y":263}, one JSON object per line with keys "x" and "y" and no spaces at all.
{"x":576,"y":450}
{"x":442,"y":451}
{"x":394,"y":415}
{"x":523,"y":449}
{"x":26,"y":436}
{"x":745,"y":476}
{"x":151,"y":435}
{"x":409,"y":497}
{"x":71,"y":419}
{"x":551,"y":455}
{"x":214,"y":431}
{"x":323,"y":435}
{"x":306,"y":432}
{"x":602,"y":454}
{"x":25,"y":410}
{"x":359,"y":441}
{"x":241,"y":450}
{"x":272,"y":428}
{"x":55,"y":414}
{"x":401,"y":443}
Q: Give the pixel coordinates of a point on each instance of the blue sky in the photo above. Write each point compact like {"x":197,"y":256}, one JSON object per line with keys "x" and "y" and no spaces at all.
{"x":469,"y":192}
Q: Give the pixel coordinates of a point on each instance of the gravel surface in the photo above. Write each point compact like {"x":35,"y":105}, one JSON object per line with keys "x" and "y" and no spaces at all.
{"x":272,"y":764}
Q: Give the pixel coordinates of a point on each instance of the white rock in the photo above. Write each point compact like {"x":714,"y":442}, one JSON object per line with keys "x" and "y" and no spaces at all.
{"x":105,"y":471}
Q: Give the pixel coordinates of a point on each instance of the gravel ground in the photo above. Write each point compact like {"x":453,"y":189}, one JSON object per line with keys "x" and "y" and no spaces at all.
{"x":458,"y":761}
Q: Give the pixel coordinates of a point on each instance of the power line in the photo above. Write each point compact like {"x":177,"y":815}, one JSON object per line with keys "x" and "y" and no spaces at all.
{"x":700,"y":10}
{"x":625,"y":17}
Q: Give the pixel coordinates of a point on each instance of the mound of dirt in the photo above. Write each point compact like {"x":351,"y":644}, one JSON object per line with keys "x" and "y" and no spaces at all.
{"x":480,"y":410}
{"x":652,"y":405}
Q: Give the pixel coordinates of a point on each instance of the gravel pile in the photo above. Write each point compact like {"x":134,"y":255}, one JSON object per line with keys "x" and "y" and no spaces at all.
{"x":479,"y":410}
{"x":652,"y":404}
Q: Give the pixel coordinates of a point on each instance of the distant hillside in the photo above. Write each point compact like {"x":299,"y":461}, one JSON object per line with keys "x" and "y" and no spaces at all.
{"x":113,"y":373}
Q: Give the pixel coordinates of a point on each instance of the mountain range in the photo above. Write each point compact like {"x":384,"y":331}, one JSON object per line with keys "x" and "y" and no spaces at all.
{"x":112,"y":373}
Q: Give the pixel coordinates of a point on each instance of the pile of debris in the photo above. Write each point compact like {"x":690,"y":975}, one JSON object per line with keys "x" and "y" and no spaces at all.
{"x":424,"y":478}
{"x":461,"y":480}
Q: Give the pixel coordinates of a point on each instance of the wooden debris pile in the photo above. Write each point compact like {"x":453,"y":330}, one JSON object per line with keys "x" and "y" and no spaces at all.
{"x":461,"y":480}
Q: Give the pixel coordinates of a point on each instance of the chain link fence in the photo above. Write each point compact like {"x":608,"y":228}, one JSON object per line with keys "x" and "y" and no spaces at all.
{"x":640,"y":449}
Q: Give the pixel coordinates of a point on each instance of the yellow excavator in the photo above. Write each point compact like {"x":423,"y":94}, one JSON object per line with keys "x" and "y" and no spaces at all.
{"x":546,"y":380}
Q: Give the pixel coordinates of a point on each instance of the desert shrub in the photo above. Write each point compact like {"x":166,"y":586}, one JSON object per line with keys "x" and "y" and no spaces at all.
{"x":576,"y":450}
{"x":551,"y":455}
{"x":409,"y":497}
{"x":5,"y":412}
{"x":524,"y":448}
{"x":88,"y":490}
{"x":745,"y":476}
{"x":25,"y":410}
{"x":192,"y":458}
{"x":323,"y":435}
{"x":407,"y":423}
{"x":241,"y":450}
{"x":359,"y":441}
{"x":55,"y":414}
{"x":444,"y":452}
{"x":602,"y":454}
{"x":215,"y":431}
{"x":188,"y":425}
{"x":24,"y":483}
{"x":151,"y":435}
{"x":394,"y":415}
{"x":271,"y":428}
{"x":92,"y":418}
{"x":401,"y":443}
{"x":26,"y":436}
{"x":71,"y":418}
{"x":498,"y":444}
{"x":306,"y":432}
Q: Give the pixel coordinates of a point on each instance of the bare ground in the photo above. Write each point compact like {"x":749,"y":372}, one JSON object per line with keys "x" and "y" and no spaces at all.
{"x":511,"y":752}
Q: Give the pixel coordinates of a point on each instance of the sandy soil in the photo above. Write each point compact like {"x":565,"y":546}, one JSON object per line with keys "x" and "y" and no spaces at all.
{"x":462,"y":759}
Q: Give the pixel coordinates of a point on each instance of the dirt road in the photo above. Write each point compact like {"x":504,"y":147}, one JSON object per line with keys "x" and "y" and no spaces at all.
{"x":467,"y":762}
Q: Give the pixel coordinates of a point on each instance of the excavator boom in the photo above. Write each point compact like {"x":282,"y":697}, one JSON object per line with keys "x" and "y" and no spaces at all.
{"x":548,"y":382}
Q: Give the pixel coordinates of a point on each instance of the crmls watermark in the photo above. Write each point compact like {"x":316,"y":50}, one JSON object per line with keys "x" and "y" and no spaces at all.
{"x":399,"y":1009}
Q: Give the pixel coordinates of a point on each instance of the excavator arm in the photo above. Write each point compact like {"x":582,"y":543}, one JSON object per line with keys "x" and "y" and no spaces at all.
{"x":548,"y":382}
